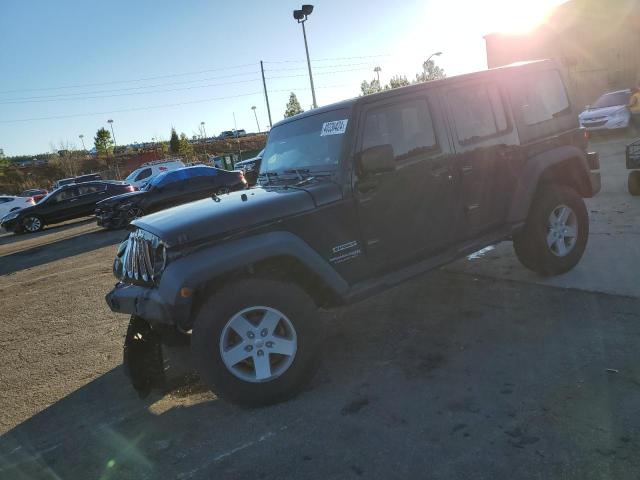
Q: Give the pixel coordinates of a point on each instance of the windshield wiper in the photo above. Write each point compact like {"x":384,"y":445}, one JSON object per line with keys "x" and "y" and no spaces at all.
{"x":268,"y":175}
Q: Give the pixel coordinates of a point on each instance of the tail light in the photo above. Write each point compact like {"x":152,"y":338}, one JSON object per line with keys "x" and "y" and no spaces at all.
{"x":31,"y":201}
{"x":130,"y":188}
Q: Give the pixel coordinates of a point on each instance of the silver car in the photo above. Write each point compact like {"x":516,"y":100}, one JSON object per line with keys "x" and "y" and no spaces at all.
{"x":608,"y":112}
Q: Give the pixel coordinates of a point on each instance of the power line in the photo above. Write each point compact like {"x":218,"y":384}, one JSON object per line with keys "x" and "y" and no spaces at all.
{"x":320,"y":66}
{"x":182,"y":74}
{"x":319,"y":73}
{"x":329,"y":59}
{"x":129,"y":93}
{"x":62,"y":95}
{"x":154,"y":107}
{"x":144,"y":79}
{"x":150,"y":107}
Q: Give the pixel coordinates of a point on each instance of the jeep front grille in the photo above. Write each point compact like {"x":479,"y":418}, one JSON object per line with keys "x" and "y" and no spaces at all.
{"x":141,"y":259}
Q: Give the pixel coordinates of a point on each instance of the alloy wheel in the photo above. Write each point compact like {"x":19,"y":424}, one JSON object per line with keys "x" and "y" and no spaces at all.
{"x":258,"y":344}
{"x":562,"y":230}
{"x":32,"y":224}
{"x":134,"y":212}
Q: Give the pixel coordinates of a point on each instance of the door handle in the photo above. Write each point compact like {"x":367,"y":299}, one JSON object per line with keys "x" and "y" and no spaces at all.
{"x":73,"y":200}
{"x":467,"y":169}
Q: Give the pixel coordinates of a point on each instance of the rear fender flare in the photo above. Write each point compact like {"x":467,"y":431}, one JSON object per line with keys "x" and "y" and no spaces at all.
{"x":534,"y":171}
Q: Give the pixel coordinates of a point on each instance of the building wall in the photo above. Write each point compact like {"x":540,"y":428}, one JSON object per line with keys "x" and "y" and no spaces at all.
{"x":598,"y":41}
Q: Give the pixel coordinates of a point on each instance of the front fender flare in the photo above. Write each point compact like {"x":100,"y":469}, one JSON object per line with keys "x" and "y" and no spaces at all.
{"x":203,"y":266}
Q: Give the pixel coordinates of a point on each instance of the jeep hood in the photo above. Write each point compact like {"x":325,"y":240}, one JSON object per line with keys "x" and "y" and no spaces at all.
{"x":227,"y":214}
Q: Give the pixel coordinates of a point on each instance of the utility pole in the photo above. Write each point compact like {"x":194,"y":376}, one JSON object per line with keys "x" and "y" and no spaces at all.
{"x":301,"y":17}
{"x":266,"y":97}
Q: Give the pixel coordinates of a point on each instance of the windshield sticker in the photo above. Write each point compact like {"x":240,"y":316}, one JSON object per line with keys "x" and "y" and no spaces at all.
{"x":337,"y":127}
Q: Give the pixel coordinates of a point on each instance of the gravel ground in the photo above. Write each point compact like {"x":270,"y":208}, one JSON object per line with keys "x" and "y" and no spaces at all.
{"x":462,"y":373}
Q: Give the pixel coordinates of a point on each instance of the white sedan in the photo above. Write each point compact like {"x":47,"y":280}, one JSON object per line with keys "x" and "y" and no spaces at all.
{"x":9,"y":203}
{"x":609,"y":112}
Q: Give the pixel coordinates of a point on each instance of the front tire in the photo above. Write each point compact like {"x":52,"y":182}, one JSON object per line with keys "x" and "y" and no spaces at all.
{"x":556,"y":231}
{"x":257,"y":342}
{"x":32,"y":224}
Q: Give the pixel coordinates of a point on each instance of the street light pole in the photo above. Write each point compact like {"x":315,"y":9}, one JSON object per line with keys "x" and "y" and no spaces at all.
{"x":81,"y":136}
{"x":301,"y":16}
{"x":115,"y":145}
{"x":436,"y":54}
{"x":204,"y":131}
{"x":377,"y":70}
{"x":256,"y":115}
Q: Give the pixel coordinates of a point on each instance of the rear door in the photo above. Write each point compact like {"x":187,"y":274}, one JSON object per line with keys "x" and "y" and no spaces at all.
{"x":88,"y":195}
{"x":487,"y":156}
{"x":405,"y":213}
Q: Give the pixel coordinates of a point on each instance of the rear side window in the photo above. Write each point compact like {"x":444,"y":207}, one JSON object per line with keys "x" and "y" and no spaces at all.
{"x":5,"y":199}
{"x":406,"y":126}
{"x":543,"y":97}
{"x":478,"y":112}
{"x":87,"y":189}
{"x":144,"y":174}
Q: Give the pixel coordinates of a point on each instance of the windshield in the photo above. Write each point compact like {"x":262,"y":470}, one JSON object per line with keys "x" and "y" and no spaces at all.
{"x":612,"y":100}
{"x":313,"y":142}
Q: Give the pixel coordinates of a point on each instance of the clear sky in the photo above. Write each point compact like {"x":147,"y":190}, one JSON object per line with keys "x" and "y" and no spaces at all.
{"x":67,"y":66}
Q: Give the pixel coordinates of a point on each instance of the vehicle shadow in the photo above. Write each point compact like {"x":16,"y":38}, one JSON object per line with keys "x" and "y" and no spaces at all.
{"x":93,"y":431}
{"x":50,"y":252}
{"x":7,"y":237}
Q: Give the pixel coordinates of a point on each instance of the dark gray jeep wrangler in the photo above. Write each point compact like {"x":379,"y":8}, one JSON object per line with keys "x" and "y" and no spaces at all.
{"x":354,"y":198}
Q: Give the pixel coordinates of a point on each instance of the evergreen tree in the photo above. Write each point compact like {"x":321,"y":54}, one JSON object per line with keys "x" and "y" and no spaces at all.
{"x":174,"y":143}
{"x":293,"y":106}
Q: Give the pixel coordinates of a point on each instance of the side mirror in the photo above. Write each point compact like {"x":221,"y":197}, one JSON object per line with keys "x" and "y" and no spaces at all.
{"x":377,"y":159}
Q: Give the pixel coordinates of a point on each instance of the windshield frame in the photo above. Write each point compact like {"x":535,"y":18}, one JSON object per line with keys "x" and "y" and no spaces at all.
{"x":293,"y":172}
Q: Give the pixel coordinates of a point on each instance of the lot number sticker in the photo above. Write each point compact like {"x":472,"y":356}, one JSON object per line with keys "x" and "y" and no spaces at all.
{"x":337,"y":127}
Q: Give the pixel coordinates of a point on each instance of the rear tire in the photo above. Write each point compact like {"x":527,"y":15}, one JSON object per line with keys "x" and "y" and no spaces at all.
{"x":257,"y":342}
{"x":556,"y":231}
{"x":633,"y":182}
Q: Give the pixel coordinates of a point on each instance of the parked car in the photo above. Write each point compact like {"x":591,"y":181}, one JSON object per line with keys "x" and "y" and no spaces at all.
{"x":167,"y":190}
{"x":10,"y":203}
{"x":226,"y":134}
{"x":608,"y":112}
{"x":36,"y":193}
{"x":65,"y":203}
{"x":250,"y":168}
{"x":354,"y":198}
{"x":141,"y":176}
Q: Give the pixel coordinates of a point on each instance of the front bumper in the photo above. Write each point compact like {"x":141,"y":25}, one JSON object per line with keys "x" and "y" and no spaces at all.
{"x":10,"y":225}
{"x":143,"y":302}
{"x":106,"y":218}
{"x":613,"y":123}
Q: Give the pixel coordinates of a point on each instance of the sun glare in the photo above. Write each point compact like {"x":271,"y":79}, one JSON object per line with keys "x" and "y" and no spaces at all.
{"x":509,"y":16}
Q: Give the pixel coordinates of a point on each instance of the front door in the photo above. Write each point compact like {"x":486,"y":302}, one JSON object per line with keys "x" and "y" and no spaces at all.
{"x":405,"y":213}
{"x":88,"y":195}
